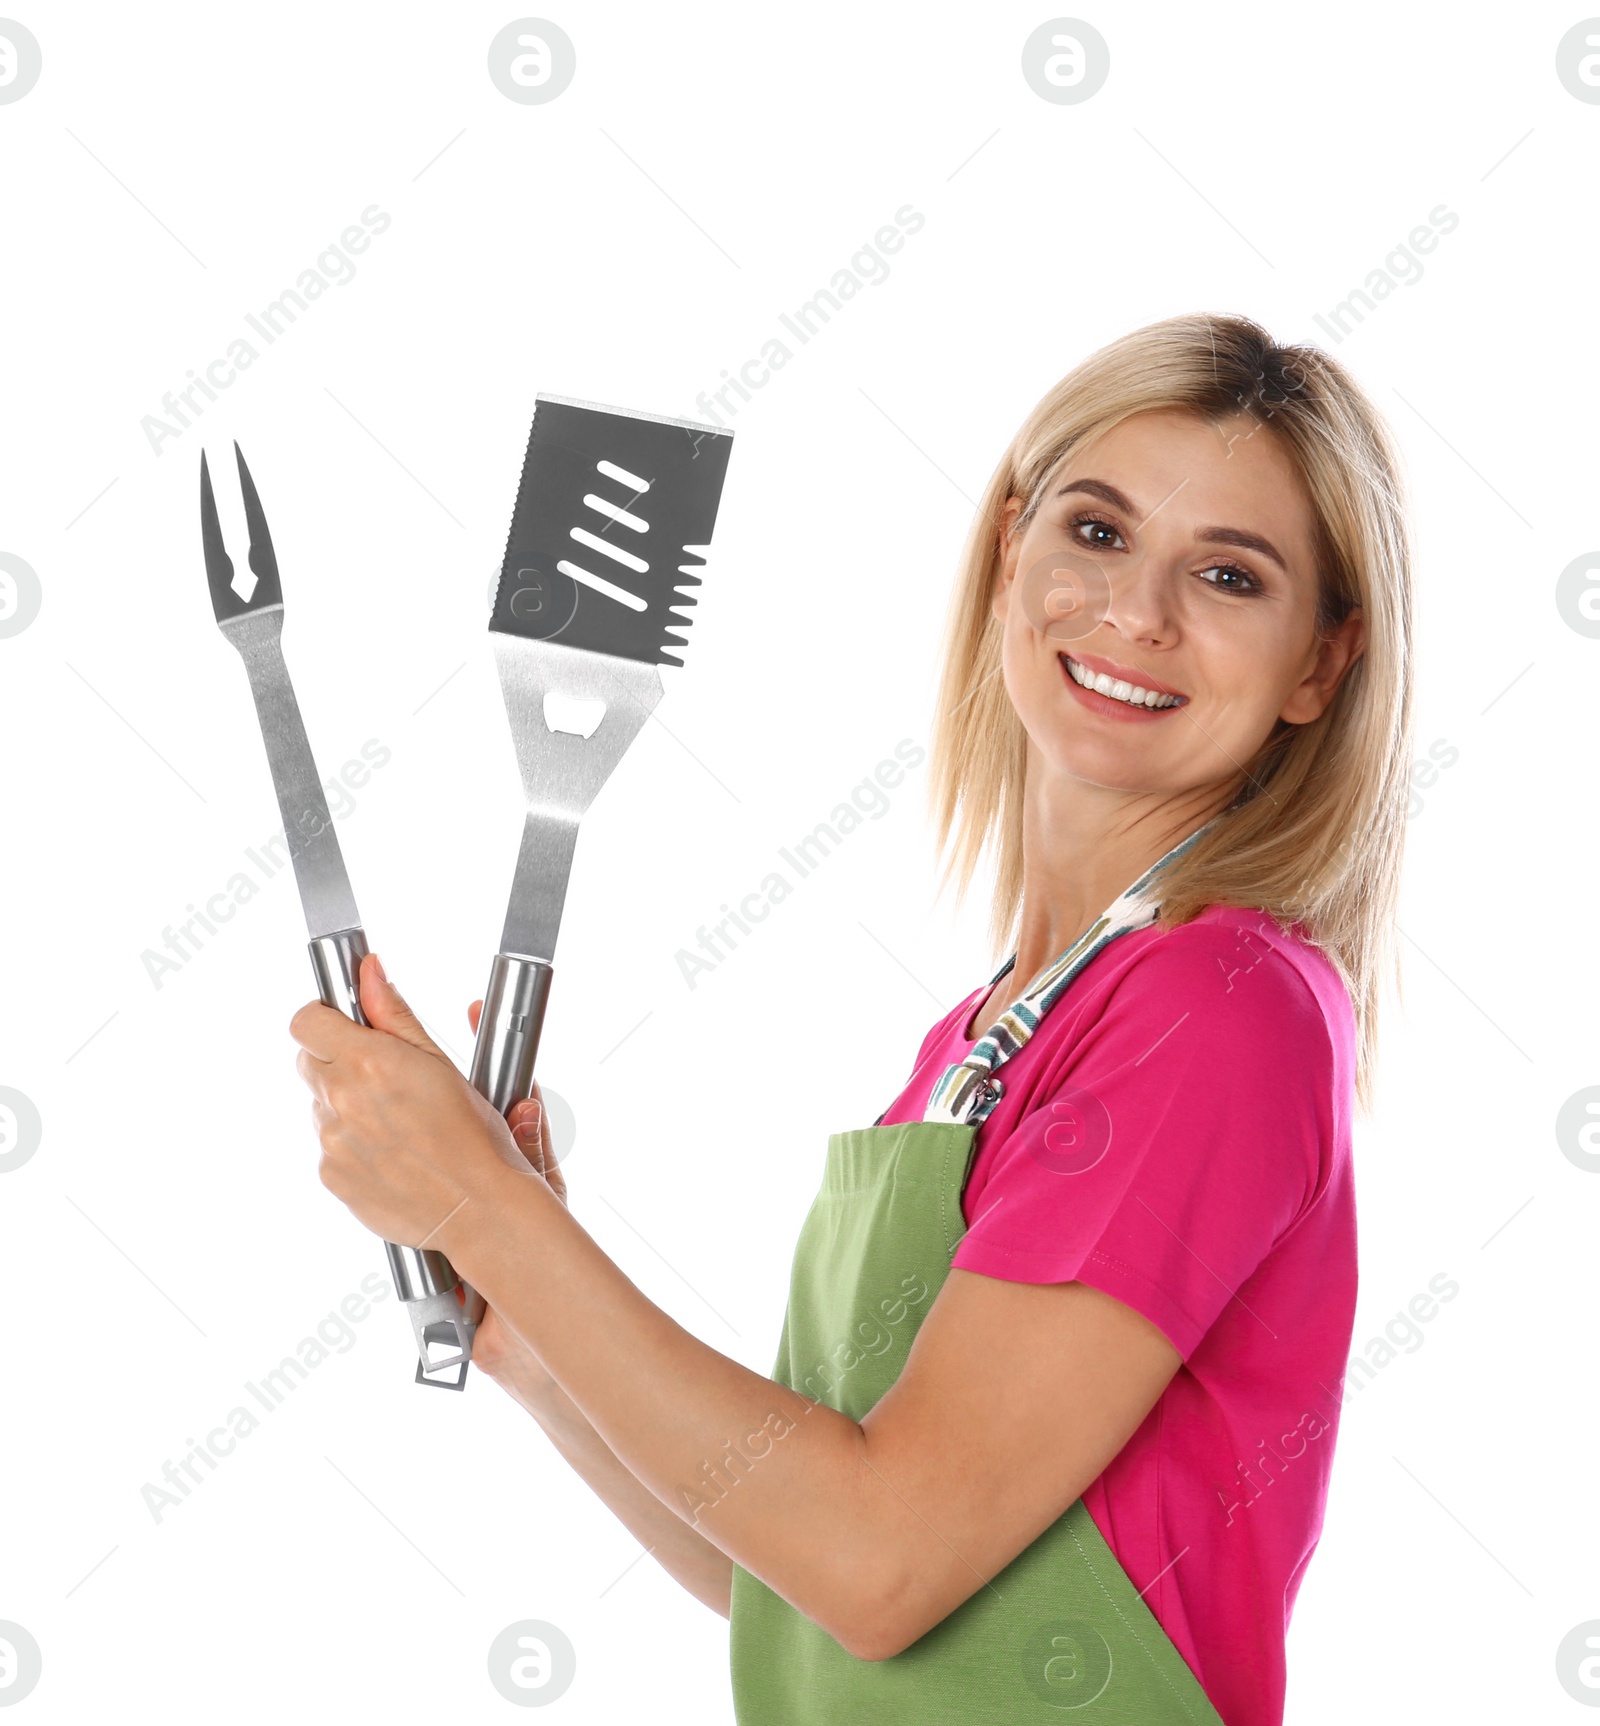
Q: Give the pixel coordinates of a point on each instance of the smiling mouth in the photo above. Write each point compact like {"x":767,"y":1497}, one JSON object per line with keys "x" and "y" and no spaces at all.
{"x":1114,"y":689}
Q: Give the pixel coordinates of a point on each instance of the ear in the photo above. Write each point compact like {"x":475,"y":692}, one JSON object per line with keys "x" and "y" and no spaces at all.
{"x":1010,"y":545}
{"x":1336,"y":653}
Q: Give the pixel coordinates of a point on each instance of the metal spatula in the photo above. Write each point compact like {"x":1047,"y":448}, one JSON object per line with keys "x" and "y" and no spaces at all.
{"x":590,"y":603}
{"x":249,"y":612}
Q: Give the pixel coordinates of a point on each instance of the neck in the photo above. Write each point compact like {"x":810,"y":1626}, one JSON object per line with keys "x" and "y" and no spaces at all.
{"x":1082,"y":846}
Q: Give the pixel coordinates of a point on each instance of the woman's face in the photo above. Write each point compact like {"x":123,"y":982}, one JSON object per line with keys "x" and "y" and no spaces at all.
{"x":1171,"y":556}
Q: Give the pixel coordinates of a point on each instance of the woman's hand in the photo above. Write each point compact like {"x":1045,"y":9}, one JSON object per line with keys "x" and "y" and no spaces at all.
{"x":407,"y":1143}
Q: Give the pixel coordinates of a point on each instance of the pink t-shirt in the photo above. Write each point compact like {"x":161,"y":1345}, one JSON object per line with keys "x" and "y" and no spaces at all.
{"x":1177,"y":1133}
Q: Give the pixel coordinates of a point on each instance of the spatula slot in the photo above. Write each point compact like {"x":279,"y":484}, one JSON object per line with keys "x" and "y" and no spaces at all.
{"x":625,"y":558}
{"x":632,"y":480}
{"x":595,"y":501}
{"x":601,"y":585}
{"x":577,"y":714}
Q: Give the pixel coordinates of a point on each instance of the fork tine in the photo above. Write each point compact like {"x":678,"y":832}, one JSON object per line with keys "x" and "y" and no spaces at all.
{"x":263,"y":560}
{"x":219,"y":566}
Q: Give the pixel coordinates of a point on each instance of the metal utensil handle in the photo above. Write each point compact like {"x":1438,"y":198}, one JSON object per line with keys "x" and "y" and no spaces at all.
{"x":508,"y":1030}
{"x":423,"y":1278}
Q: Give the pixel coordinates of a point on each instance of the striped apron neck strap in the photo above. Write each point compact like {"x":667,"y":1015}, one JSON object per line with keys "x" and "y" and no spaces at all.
{"x":967,"y":1092}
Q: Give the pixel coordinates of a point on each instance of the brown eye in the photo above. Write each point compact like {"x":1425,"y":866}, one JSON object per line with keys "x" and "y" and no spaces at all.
{"x":1243,"y":581}
{"x":1101,"y":535}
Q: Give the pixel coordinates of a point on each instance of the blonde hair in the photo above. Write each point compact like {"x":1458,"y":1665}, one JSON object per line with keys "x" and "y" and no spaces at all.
{"x":1316,"y":832}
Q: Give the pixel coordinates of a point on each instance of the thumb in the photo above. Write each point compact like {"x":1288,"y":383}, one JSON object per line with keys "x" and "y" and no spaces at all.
{"x":386,"y":1009}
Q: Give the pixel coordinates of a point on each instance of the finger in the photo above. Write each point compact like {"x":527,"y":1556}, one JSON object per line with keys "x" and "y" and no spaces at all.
{"x":530,"y":1127}
{"x":526,"y":1121}
{"x":325,"y":1032}
{"x":311,"y":1069}
{"x":474,"y":1014}
{"x":524,"y":1112}
{"x":386,"y":1008}
{"x":525,"y":1131}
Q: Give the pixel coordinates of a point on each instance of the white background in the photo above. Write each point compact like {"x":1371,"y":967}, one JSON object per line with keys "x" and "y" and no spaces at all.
{"x":709,"y":168}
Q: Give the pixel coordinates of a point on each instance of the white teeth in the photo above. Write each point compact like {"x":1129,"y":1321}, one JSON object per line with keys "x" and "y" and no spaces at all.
{"x":1117,"y":688}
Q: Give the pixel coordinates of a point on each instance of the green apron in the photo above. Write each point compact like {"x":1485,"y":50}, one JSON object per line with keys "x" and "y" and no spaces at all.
{"x":1061,"y":1628}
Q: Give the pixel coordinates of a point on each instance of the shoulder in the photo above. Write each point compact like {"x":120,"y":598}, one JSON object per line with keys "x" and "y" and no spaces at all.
{"x":1170,"y":1130}
{"x":1228,"y":1042}
{"x":1247,"y":1028}
{"x":1267,"y":984}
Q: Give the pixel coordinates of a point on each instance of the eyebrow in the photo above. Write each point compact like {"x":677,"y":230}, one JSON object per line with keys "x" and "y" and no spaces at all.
{"x":1211,"y":535}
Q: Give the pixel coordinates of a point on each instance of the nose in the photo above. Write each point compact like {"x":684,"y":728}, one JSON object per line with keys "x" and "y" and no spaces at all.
{"x":1139,"y":604}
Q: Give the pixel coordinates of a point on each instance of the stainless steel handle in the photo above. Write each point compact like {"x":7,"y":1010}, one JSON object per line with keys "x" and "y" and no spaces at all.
{"x":445,"y":1312}
{"x":508,"y":1031}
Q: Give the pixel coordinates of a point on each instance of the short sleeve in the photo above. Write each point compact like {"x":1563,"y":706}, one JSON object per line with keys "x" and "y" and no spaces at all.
{"x":1177,"y":1140}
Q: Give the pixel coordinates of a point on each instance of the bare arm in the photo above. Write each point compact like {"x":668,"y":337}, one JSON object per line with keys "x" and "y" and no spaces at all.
{"x":1013,"y":1398}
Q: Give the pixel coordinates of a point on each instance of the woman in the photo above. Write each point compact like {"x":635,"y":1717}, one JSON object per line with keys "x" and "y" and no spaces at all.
{"x":1054,"y":1408}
